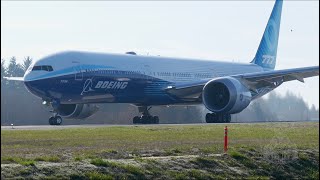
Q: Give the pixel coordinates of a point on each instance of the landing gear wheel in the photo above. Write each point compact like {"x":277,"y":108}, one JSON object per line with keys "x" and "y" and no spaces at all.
{"x":136,"y":120}
{"x":209,"y":118}
{"x":218,"y":118}
{"x":228,"y":118}
{"x":156,"y":119}
{"x":51,"y":120}
{"x":146,"y":118}
{"x":55,"y":120}
{"x":58,"y":120}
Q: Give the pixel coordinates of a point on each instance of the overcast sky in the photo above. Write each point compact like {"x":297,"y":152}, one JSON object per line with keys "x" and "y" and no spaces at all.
{"x":216,"y":30}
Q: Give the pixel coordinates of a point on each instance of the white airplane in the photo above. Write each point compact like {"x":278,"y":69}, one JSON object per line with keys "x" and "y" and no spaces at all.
{"x":73,"y":82}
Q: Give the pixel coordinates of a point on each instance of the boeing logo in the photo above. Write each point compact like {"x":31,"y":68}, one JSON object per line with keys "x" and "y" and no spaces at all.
{"x":111,"y":85}
{"x":87,"y":86}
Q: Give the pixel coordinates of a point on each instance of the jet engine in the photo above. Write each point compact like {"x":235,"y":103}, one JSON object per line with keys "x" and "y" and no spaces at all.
{"x":76,"y":111}
{"x":225,"y":95}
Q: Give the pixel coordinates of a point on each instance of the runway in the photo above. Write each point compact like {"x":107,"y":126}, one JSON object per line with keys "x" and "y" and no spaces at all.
{"x":48,"y":127}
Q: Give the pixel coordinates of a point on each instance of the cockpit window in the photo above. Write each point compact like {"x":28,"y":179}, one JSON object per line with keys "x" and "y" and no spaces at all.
{"x":42,"y":68}
{"x":36,"y":68}
{"x":50,"y":68}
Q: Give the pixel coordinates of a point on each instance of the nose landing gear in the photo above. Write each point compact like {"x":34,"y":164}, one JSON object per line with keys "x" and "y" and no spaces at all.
{"x":57,"y":120}
{"x":146,"y":117}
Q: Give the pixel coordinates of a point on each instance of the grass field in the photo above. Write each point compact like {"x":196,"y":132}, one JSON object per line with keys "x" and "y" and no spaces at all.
{"x":109,"y":147}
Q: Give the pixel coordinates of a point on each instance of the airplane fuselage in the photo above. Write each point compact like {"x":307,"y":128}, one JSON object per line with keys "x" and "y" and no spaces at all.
{"x":82,"y":77}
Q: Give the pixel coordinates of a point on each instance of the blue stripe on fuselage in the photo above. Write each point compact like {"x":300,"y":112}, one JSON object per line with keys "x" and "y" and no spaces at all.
{"x":103,"y":87}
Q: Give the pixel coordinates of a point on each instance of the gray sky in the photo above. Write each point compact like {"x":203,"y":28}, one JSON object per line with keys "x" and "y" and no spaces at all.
{"x":217,"y":30}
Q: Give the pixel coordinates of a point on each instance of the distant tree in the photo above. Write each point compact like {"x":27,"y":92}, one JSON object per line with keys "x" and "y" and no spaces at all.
{"x":26,"y":63}
{"x":12,"y":66}
{"x":313,"y":108}
{"x":3,"y":69}
{"x":313,"y":112}
{"x":14,"y":69}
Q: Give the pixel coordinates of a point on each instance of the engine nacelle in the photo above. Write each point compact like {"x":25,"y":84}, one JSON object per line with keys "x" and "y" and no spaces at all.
{"x":76,"y":111}
{"x":225,"y":95}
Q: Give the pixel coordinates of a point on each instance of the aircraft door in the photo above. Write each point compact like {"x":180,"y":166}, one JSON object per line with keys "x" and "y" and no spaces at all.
{"x":78,"y":72}
{"x":146,"y":70}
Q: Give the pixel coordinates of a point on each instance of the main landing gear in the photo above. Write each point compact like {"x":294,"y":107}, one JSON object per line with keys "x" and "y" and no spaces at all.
{"x":218,"y":118}
{"x":146,"y":117}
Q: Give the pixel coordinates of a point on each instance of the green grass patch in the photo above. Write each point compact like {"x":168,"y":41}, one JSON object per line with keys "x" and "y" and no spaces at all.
{"x":172,"y":151}
{"x":130,"y":169}
{"x":93,"y":142}
{"x":237,"y":155}
{"x":111,"y":151}
{"x":48,"y":158}
{"x":198,"y":174}
{"x":258,"y":178}
{"x":101,"y":162}
{"x":243,"y":159}
{"x":303,"y":156}
{"x":98,"y":176}
{"x":78,"y":158}
{"x":22,"y":161}
{"x":27,"y":162}
{"x":178,"y":175}
{"x":208,"y":162}
{"x":6,"y":160}
{"x":277,"y":150}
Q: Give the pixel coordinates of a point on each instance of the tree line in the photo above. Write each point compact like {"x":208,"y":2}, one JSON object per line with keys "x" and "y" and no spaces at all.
{"x":19,"y":107}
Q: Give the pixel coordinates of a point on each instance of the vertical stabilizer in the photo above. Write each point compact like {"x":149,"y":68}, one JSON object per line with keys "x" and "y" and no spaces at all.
{"x":267,"y":52}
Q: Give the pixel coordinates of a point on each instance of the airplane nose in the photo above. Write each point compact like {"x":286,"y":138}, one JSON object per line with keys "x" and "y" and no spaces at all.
{"x":25,"y":76}
{"x":35,"y":88}
{"x":33,"y":85}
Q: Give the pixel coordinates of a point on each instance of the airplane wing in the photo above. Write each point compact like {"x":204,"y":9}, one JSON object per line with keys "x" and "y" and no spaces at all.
{"x":252,"y":81}
{"x":14,"y":78}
